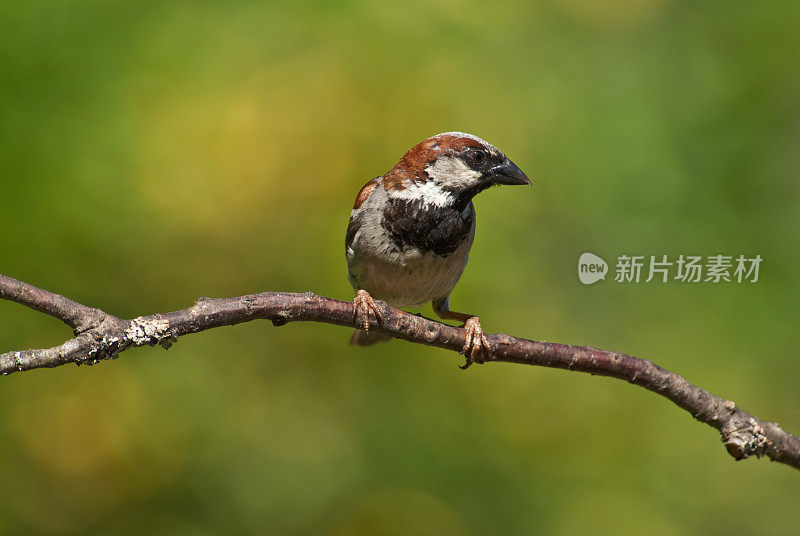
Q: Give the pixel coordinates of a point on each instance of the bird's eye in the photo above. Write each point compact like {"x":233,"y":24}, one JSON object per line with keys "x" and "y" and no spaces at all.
{"x":478,"y":156}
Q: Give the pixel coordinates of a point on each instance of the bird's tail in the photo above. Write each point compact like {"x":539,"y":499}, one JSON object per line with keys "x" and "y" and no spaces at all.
{"x":365,"y":338}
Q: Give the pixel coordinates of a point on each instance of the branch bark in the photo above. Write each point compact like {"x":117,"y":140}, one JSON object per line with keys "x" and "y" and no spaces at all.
{"x":99,"y":335}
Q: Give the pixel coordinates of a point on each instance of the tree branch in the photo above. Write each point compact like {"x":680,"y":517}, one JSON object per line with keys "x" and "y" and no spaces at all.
{"x":75,"y":315}
{"x":103,"y":336}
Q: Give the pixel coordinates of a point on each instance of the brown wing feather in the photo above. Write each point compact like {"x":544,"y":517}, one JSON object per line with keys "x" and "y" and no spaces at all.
{"x":363,"y":194}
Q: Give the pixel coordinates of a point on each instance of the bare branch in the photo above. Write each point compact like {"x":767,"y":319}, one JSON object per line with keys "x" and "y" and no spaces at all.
{"x":75,"y":315}
{"x":103,"y":336}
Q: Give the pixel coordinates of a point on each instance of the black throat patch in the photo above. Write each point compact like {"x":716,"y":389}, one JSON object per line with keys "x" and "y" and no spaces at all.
{"x":427,"y":227}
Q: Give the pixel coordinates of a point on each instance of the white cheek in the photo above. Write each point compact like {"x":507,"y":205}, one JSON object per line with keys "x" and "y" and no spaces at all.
{"x":429,"y":192}
{"x":452,"y":172}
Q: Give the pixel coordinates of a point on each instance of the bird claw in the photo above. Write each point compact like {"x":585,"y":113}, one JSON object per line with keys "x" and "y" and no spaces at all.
{"x":363,"y":302}
{"x":476,"y":347}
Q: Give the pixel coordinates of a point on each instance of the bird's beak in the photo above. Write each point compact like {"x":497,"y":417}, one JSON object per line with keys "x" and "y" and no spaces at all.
{"x":508,"y":173}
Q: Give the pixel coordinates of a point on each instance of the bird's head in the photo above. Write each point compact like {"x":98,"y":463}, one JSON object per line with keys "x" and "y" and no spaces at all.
{"x":460,"y":164}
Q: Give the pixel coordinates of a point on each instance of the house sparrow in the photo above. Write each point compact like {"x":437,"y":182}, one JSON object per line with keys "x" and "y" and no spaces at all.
{"x":411,"y":230}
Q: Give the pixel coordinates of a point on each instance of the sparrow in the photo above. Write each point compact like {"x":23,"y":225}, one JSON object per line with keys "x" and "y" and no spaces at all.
{"x":411,"y":230}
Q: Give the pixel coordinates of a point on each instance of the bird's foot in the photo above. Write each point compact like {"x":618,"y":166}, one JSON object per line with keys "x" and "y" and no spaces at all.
{"x":364,"y":303}
{"x":476,"y":348}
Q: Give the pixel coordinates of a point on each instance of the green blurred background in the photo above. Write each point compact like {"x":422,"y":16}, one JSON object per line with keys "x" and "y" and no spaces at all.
{"x":153,"y":152}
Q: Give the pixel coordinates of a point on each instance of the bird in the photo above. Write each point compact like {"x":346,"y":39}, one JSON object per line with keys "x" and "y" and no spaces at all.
{"x":411,"y":230}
